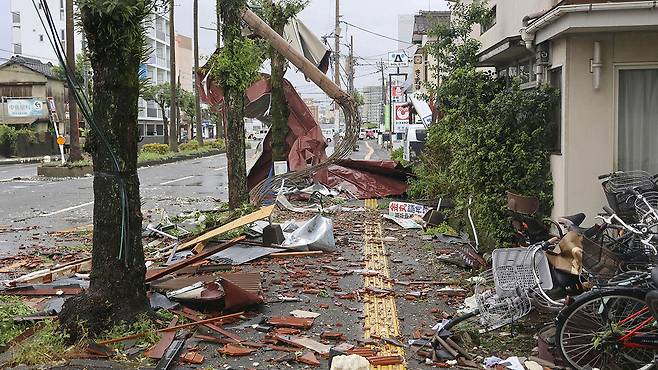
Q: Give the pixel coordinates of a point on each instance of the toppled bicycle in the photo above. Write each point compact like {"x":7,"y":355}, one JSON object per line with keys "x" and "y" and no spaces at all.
{"x":600,"y":281}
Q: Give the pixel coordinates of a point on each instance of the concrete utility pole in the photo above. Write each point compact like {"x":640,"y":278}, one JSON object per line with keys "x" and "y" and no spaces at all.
{"x":173,"y":109}
{"x":381,"y":65}
{"x":350,"y":81}
{"x":74,"y":126}
{"x":197,"y":102}
{"x":337,"y":63}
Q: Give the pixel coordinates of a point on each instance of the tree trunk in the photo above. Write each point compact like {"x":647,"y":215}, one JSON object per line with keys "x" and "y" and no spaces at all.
{"x":117,"y":291}
{"x":197,"y":101}
{"x":238,"y":194}
{"x":279,"y":105}
{"x":165,"y":121}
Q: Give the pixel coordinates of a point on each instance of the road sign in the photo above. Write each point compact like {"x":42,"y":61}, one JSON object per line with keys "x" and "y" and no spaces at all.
{"x":61,"y":140}
{"x":400,"y":117}
{"x":398,"y":59}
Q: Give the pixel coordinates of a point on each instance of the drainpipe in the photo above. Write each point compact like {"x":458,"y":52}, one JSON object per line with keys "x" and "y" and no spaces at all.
{"x":597,"y":65}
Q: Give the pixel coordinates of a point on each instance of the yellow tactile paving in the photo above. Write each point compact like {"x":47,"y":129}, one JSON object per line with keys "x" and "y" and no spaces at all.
{"x":381,"y":314}
{"x":370,"y":203}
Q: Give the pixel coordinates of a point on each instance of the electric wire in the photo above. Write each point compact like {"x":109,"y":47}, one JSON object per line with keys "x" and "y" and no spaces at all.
{"x":87,"y":111}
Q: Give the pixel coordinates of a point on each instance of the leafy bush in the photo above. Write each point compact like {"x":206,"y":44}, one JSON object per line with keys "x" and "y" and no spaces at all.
{"x":11,"y":307}
{"x":217,"y":144}
{"x":9,"y":135}
{"x":398,"y":154}
{"x":155,"y":148}
{"x":190,"y":146}
{"x":492,"y":138}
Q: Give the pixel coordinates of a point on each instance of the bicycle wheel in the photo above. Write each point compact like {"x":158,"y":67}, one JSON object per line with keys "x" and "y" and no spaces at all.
{"x":588,"y":330}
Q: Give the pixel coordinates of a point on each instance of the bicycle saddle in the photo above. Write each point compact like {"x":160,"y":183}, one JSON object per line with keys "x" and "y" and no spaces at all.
{"x":573,"y":220}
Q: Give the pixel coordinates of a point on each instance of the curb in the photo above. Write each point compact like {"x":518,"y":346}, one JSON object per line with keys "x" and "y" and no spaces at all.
{"x":59,"y":172}
{"x":8,"y":161}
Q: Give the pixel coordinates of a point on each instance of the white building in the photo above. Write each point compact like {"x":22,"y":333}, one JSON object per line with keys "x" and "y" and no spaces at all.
{"x":151,"y":125}
{"x":21,"y":33}
{"x":373,"y":104}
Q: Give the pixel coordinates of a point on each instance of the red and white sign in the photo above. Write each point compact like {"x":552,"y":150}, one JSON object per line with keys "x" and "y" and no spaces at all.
{"x":401,"y":112}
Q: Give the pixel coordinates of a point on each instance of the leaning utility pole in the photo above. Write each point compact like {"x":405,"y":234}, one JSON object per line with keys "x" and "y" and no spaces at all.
{"x":74,"y":129}
{"x":337,"y":63}
{"x":350,"y":64}
{"x":197,"y":102}
{"x":173,"y":109}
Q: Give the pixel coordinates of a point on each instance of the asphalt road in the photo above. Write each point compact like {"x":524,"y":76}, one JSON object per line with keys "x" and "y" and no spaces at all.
{"x":31,"y":207}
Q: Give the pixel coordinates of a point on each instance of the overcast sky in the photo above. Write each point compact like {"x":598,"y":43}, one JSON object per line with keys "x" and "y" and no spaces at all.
{"x":380,"y":16}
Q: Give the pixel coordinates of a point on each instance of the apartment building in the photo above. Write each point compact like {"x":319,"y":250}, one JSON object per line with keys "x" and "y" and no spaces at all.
{"x":603,"y":56}
{"x":373,"y":104}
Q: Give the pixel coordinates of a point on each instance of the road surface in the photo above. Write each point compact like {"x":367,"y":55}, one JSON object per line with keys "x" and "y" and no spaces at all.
{"x":33,"y":206}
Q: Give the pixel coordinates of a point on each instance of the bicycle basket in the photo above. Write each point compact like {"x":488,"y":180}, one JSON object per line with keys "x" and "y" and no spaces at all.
{"x":627,"y":180}
{"x":502,"y":292}
{"x":599,"y":260}
{"x":497,"y":311}
{"x":513,"y":270}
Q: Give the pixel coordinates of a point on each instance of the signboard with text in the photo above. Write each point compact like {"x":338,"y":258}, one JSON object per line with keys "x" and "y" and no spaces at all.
{"x":400,"y":117}
{"x":406,"y":210}
{"x":24,"y":107}
{"x":398,"y":59}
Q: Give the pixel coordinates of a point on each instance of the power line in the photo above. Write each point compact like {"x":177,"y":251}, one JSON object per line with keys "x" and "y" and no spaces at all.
{"x":375,"y":33}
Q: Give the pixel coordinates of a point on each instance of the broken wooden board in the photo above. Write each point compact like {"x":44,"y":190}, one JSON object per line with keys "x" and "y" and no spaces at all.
{"x":50,"y":275}
{"x":242,"y":221}
{"x":158,"y":350}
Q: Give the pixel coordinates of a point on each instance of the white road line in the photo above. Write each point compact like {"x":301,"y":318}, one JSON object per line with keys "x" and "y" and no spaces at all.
{"x":371,"y":150}
{"x":220,"y":169}
{"x":177,"y":180}
{"x":67,"y":209}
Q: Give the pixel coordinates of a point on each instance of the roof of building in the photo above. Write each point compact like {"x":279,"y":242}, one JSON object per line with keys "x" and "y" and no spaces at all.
{"x":425,"y":19}
{"x":35,"y":65}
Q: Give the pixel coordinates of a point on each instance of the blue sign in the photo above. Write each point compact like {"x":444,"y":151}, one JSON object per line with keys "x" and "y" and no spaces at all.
{"x":143,"y":72}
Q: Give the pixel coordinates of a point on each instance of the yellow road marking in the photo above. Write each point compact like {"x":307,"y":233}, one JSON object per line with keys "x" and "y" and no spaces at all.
{"x":371,"y":203}
{"x":381,"y":314}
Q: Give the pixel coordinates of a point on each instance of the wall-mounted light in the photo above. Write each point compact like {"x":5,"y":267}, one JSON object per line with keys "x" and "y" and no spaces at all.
{"x":595,"y":65}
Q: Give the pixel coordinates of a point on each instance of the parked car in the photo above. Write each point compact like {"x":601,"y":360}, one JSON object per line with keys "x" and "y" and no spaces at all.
{"x":260,"y":135}
{"x":362,"y":134}
{"x":328,"y":134}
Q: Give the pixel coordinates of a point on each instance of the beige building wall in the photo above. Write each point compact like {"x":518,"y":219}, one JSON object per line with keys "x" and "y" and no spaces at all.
{"x":590,"y":116}
{"x":185,"y":61}
{"x":509,"y":19}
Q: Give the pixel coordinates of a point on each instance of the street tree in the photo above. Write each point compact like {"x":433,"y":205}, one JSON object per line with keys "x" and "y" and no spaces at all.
{"x":161,"y":95}
{"x":187,"y":103}
{"x":116,"y":40}
{"x":278,"y":14}
{"x":235,"y":67}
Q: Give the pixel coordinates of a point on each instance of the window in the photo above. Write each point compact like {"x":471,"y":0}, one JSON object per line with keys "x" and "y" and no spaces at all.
{"x":63,"y":35}
{"x":161,"y":76}
{"x":556,"y":81}
{"x":489,"y":22}
{"x":16,"y":17}
{"x":160,"y":29}
{"x":159,"y":130}
{"x":151,"y":109}
{"x":18,"y":49}
{"x":150,"y":130}
{"x":41,"y":38}
{"x":638,"y":120}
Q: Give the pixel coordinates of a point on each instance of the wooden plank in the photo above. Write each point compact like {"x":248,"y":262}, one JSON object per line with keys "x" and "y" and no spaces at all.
{"x":194,"y":317}
{"x":242,"y":221}
{"x":173,"y":328}
{"x":188,"y":261}
{"x":158,"y":350}
{"x":49,"y":275}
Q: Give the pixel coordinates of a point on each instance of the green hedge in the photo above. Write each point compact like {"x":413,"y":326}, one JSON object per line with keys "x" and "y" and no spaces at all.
{"x":155,"y":148}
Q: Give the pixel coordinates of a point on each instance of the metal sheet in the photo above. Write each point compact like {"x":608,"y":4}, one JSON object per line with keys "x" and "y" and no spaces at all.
{"x":316,"y":234}
{"x":239,"y":254}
